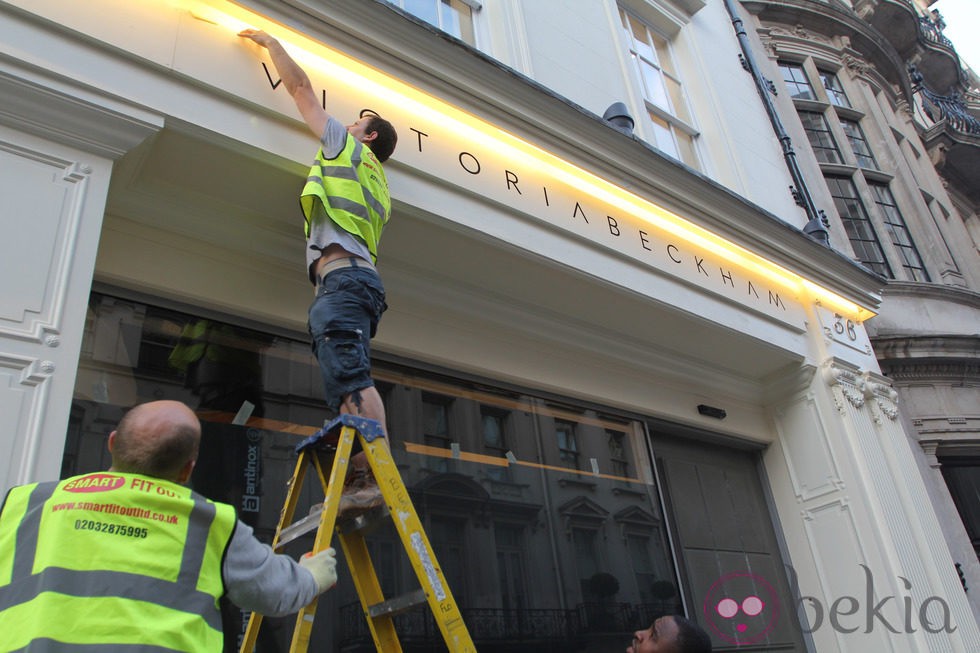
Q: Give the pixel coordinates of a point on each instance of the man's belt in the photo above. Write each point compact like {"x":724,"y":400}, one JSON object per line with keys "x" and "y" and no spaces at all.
{"x":341,"y":264}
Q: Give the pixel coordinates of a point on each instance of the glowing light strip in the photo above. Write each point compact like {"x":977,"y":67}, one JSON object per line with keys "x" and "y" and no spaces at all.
{"x":472,"y":129}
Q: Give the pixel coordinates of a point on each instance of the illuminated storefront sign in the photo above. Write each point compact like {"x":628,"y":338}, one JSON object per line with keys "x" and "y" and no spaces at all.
{"x":465,"y":151}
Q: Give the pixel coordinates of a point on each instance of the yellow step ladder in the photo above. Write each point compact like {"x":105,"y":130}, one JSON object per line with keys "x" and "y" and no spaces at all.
{"x":319,"y":450}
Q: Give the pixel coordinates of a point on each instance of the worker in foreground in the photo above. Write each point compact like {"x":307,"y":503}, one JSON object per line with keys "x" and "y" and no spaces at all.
{"x":130,"y":559}
{"x":346,"y":204}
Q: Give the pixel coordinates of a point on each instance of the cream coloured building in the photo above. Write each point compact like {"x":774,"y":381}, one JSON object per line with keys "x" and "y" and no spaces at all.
{"x":621,"y":380}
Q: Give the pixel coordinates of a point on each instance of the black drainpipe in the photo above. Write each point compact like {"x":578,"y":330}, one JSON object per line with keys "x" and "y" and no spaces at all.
{"x":816,"y":226}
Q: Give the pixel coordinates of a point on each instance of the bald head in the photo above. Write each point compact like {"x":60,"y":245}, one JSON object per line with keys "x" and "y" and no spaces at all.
{"x":159,"y":439}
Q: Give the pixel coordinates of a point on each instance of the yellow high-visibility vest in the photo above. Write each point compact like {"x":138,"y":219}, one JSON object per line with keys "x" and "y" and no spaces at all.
{"x":110,"y":559}
{"x":353,"y":190}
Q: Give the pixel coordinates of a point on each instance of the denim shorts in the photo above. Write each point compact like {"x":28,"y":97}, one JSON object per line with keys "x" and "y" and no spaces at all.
{"x":343,"y":318}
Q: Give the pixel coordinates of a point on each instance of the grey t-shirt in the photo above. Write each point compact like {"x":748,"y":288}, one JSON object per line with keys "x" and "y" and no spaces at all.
{"x":259,"y":580}
{"x":323,"y":231}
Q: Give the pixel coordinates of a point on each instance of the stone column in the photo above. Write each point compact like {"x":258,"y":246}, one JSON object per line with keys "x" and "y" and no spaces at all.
{"x":871,"y":568}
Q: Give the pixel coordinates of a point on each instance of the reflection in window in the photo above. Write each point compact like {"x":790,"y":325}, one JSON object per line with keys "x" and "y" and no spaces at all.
{"x":835,"y":92}
{"x":452,"y":16}
{"x":448,"y":538}
{"x":796,"y":80}
{"x":435,"y":427}
{"x":567,"y":443}
{"x":662,"y":90}
{"x":643,"y":569}
{"x":899,"y":232}
{"x":586,"y":558}
{"x":857,"y":224}
{"x":494,"y":443}
{"x":509,"y":540}
{"x":615,"y":441}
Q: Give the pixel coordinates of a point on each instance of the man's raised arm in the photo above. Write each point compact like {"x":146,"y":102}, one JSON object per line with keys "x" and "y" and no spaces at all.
{"x":296,"y":80}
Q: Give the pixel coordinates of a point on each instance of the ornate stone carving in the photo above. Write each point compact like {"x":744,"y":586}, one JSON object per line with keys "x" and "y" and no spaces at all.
{"x":856,"y":65}
{"x":884,"y":396}
{"x":847,"y":384}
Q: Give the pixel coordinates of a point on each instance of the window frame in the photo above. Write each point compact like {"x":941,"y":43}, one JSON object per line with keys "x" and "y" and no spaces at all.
{"x":784,"y":67}
{"x":440,"y":6}
{"x":897,"y":228}
{"x":836,"y":91}
{"x":812,"y":133}
{"x":861,"y":233}
{"x":671,"y":122}
{"x":858,"y":141}
{"x":568,"y":456}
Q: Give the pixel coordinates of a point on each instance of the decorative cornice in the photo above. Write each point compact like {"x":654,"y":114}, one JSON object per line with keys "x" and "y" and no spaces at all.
{"x":62,"y":111}
{"x":912,"y":371}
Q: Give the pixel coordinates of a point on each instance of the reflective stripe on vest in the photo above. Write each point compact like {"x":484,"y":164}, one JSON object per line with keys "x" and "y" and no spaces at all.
{"x":353,"y":191}
{"x":180,"y":612}
{"x":46,"y":644}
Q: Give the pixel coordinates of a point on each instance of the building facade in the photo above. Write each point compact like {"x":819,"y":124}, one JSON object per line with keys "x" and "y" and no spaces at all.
{"x":890,"y":115}
{"x":621,"y":379}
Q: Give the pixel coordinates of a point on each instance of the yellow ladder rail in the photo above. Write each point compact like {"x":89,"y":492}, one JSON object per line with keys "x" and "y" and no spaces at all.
{"x":378,"y":611}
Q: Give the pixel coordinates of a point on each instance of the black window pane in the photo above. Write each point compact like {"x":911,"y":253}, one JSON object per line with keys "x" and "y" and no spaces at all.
{"x":858,"y":226}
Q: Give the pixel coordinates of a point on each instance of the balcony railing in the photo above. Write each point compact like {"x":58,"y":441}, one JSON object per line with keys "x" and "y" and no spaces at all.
{"x":944,"y":107}
{"x":933,"y":32}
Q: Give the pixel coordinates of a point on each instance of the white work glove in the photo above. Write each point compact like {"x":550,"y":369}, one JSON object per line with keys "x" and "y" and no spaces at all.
{"x":323,"y":566}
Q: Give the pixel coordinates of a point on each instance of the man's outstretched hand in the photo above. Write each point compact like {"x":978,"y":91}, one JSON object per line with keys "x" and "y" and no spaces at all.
{"x":323,"y":566}
{"x":258,"y":36}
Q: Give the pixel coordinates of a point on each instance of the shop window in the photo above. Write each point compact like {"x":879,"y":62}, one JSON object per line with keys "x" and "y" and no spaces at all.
{"x":899,"y":232}
{"x":667,"y":107}
{"x":835,"y":92}
{"x":135,"y":352}
{"x":857,"y":224}
{"x":821,"y":140}
{"x":796,"y":81}
{"x":454,"y":17}
{"x":859,"y":144}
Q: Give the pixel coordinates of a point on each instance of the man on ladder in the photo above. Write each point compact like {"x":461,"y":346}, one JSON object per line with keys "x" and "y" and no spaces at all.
{"x":346,"y":204}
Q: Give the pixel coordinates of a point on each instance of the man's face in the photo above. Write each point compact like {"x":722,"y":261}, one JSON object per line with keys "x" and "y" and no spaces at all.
{"x":359,"y":130}
{"x":661,"y":637}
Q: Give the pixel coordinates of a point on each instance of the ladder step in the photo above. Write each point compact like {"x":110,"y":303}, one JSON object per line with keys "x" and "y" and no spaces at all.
{"x":364,"y":523}
{"x":397,"y":605}
{"x":300,"y":528}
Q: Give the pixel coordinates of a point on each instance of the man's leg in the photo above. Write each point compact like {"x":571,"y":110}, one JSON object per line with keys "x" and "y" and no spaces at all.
{"x":362,"y":493}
